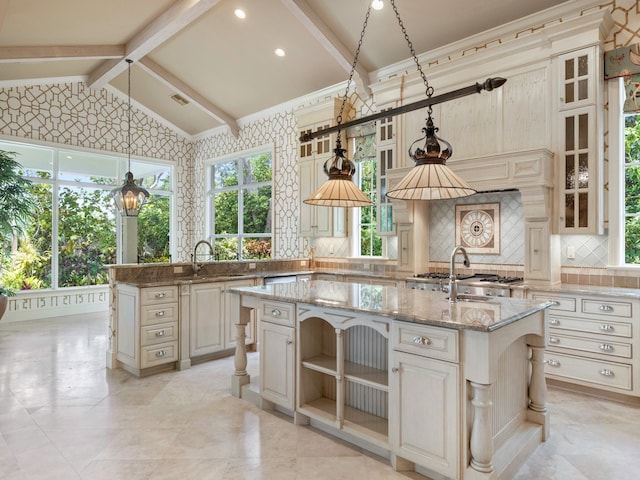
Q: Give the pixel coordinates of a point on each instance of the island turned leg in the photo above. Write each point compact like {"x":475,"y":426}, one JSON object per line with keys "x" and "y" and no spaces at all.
{"x":538,"y":390}
{"x":481,"y":444}
{"x":240,"y":376}
{"x":340,"y":387}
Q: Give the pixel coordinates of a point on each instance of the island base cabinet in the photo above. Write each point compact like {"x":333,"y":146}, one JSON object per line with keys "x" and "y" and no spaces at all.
{"x":277,"y":364}
{"x":424,"y":413}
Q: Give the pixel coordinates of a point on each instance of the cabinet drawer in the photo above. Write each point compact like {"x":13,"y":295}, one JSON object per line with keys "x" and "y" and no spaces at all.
{"x":591,"y":345}
{"x":602,"y":327}
{"x":154,"y":314}
{"x":586,"y":370}
{"x":155,"y":295}
{"x":162,"y":333}
{"x":158,"y":354}
{"x":434,"y":342}
{"x":563,"y":304}
{"x":278,"y":312}
{"x":607,"y":309}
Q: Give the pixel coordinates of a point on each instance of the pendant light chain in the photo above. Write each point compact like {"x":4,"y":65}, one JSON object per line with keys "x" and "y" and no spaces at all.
{"x":429,"y":88}
{"x":129,"y":61}
{"x":353,"y":67}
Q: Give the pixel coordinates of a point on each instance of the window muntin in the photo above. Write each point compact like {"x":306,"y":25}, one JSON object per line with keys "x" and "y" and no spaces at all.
{"x":240,"y":192}
{"x":71,"y":190}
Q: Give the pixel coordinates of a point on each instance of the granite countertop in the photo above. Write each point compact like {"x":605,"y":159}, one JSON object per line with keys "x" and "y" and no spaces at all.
{"x":569,"y":288}
{"x":417,"y":306}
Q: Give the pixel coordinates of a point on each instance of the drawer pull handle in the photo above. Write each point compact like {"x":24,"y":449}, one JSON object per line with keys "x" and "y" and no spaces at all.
{"x":606,"y":308}
{"x":289,"y":342}
{"x":555,"y":303}
{"x":161,"y":313}
{"x":605,"y":372}
{"x":605,"y":347}
{"x":421,"y":341}
{"x":554,"y":321}
{"x":555,"y":340}
{"x":161,"y":353}
{"x":394,"y":369}
{"x":606,"y":327}
{"x":275,"y":312}
{"x":553,"y":363}
{"x":160,"y":333}
{"x":161,"y":295}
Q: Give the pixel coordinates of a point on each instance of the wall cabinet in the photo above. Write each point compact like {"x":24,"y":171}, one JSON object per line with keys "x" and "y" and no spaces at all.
{"x":580,"y":176}
{"x":424,"y":391}
{"x":146,"y":327}
{"x":316,"y":221}
{"x":591,"y":341}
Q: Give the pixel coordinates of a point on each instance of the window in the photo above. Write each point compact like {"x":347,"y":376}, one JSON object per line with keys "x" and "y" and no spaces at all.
{"x":240,"y":206}
{"x":72,"y":235}
{"x":365,"y":158}
{"x":632,"y":190}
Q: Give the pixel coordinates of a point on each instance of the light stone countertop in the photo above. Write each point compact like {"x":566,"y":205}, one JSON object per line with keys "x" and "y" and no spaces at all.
{"x":417,"y":306}
{"x":595,"y":290}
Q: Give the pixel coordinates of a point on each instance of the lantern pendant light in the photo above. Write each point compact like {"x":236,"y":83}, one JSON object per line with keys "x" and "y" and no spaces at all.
{"x":129,"y":198}
{"x":430,"y":179}
{"x":339,"y":190}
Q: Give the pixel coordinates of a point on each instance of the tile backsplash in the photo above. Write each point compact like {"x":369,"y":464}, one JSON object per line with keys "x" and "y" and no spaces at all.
{"x":442,"y":228}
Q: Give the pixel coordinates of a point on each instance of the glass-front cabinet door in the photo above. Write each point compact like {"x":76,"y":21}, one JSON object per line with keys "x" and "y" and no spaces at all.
{"x":579,"y":161}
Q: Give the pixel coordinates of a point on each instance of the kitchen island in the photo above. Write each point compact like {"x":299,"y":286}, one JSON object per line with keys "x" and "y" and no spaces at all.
{"x":450,"y":390}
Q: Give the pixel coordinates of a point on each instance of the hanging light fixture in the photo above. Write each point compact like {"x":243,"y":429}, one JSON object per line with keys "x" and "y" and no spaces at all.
{"x":430,"y":179}
{"x":339,"y":190}
{"x":129,"y":198}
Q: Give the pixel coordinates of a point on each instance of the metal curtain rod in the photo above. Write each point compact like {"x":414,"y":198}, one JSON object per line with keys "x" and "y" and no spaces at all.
{"x":488,"y":85}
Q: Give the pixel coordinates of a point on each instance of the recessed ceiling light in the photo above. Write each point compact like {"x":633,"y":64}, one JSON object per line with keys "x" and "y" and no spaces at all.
{"x":280,"y":52}
{"x":377,"y":4}
{"x":240,"y":13}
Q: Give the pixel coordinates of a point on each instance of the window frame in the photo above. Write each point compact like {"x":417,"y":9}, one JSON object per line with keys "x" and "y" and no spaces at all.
{"x":57,"y":183}
{"x":210,"y":192}
{"x":616,"y":94}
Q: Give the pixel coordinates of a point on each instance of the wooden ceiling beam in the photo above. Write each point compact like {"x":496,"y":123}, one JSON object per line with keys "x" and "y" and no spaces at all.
{"x":189,"y":93}
{"x":57,"y":53}
{"x":163,"y":27}
{"x":331,"y":43}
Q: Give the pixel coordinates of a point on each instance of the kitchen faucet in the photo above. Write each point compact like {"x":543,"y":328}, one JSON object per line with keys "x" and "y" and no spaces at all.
{"x":194,"y":260}
{"x":453,"y":289}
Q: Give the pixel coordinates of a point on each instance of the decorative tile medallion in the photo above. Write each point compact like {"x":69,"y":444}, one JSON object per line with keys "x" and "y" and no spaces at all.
{"x":478,"y":227}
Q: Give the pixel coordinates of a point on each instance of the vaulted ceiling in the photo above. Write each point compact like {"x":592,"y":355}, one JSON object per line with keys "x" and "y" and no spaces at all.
{"x":224,"y":66}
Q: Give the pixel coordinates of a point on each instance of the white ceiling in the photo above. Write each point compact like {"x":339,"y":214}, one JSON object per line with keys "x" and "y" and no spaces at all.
{"x":225,"y":66}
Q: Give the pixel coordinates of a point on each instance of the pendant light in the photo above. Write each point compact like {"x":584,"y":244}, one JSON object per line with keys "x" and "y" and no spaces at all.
{"x":129,"y":198}
{"x":339,"y":190}
{"x":430,"y":179}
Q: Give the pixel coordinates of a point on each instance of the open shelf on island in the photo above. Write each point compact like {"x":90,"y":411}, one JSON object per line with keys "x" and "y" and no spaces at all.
{"x":321,"y":363}
{"x":372,"y":377}
{"x":366,"y":426}
{"x":322,"y":408}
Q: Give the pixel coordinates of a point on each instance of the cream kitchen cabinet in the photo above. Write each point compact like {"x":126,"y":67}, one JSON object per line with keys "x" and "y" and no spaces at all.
{"x":277,"y":353}
{"x":206,"y":328}
{"x":342,"y":372}
{"x":424,"y":391}
{"x":317,"y":221}
{"x":146,"y":328}
{"x":591,"y":341}
{"x":211,"y":316}
{"x":580,"y":175}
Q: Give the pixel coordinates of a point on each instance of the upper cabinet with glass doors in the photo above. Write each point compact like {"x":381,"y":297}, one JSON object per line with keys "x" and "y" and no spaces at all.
{"x":580,"y":164}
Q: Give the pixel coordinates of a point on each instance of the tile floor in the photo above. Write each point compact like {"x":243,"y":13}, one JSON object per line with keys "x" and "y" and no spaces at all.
{"x":63,"y":415}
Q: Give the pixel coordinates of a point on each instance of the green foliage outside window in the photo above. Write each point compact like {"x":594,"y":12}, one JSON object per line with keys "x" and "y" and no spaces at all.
{"x":242,"y":212}
{"x":632,"y":190}
{"x":370,"y":241}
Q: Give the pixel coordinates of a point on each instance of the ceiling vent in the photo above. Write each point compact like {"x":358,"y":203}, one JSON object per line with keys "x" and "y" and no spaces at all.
{"x":179,"y":100}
